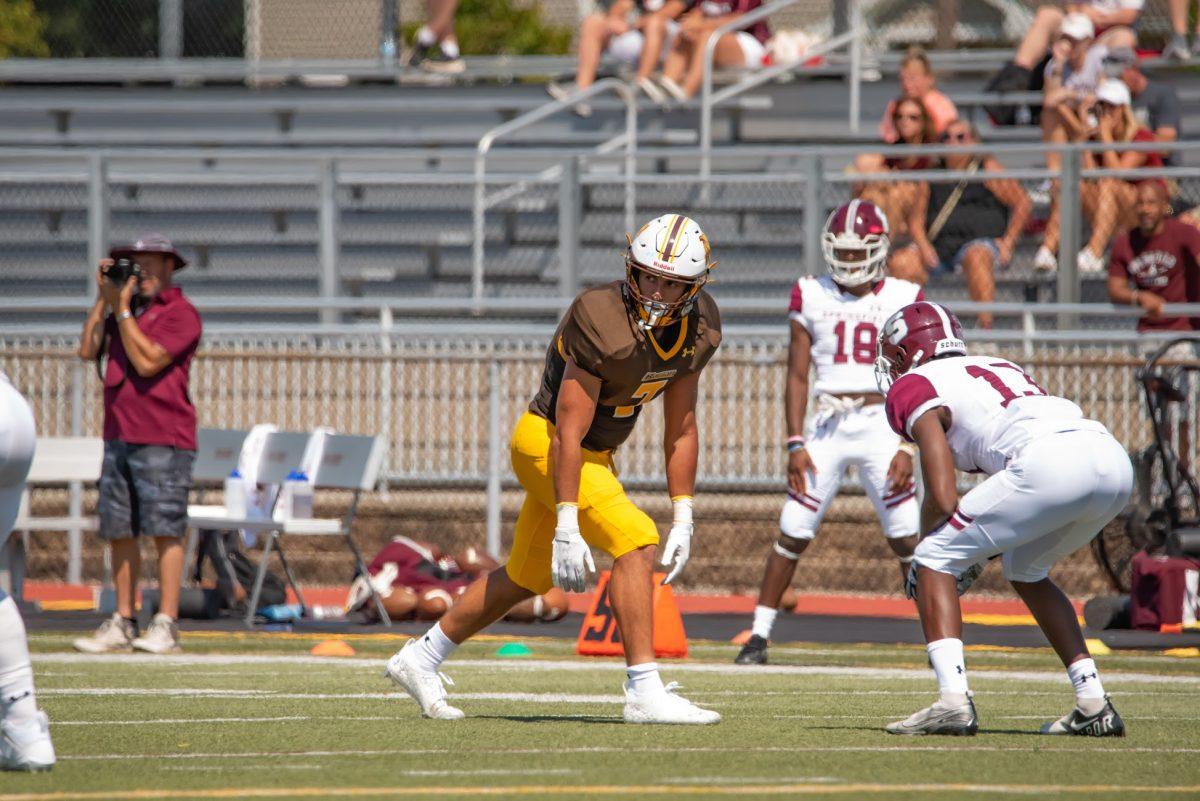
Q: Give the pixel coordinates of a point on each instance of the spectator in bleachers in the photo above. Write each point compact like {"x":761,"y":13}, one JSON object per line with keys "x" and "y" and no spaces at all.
{"x":1108,"y":203}
{"x":969,"y":226}
{"x":1177,"y":47}
{"x":1155,"y":103}
{"x":1076,"y":68}
{"x":917,"y":81}
{"x":1113,"y":22}
{"x":435,"y":47}
{"x":683,"y":71}
{"x":915,"y":126}
{"x":636,"y":32}
{"x":149,"y":331}
{"x":1156,"y":262}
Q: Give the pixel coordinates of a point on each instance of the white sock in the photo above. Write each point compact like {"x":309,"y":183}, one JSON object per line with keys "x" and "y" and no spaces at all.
{"x":425,"y":37}
{"x":644,"y":678}
{"x":764,"y":621}
{"x":433,"y":648}
{"x":946,"y":656}
{"x":17,"y":702}
{"x":1085,"y":679}
{"x":450,"y":48}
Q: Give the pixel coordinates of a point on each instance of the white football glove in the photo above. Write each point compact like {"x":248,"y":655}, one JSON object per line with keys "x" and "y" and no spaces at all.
{"x":571,"y":559}
{"x":679,"y":541}
{"x":963,"y":583}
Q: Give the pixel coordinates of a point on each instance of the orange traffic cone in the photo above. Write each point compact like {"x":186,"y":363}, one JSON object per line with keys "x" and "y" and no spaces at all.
{"x":599,"y":635}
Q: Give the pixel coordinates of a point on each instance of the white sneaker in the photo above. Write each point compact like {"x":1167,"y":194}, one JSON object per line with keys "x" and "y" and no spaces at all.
{"x":561,"y":93}
{"x":958,"y":720}
{"x":673,"y":89}
{"x":653,"y":91}
{"x":666,"y":707}
{"x":425,"y":686}
{"x":26,"y":746}
{"x":1089,"y":262}
{"x":114,"y":634}
{"x":1044,"y":260}
{"x":162,"y":637}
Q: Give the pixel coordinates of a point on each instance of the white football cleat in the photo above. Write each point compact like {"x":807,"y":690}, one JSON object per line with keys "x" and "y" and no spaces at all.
{"x":425,"y":686}
{"x":958,"y":720}
{"x":666,"y":707}
{"x":26,"y":746}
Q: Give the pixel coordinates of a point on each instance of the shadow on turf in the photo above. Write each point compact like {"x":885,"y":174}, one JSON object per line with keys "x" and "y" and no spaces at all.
{"x":983,"y":732}
{"x":551,"y":718}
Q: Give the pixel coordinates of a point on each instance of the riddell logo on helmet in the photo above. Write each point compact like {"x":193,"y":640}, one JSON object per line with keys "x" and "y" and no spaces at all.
{"x":664,"y":266}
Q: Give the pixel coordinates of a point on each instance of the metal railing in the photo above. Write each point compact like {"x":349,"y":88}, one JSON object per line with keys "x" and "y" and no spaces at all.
{"x":710,"y":99}
{"x":444,"y":398}
{"x":568,"y":200}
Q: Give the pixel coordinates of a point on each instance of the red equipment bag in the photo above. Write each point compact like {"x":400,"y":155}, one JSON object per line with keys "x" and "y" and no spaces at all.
{"x":1164,"y":592}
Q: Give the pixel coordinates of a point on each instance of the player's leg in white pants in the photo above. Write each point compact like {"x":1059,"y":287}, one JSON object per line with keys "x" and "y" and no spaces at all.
{"x":802,"y":514}
{"x":896,"y":507}
{"x":24,"y":734}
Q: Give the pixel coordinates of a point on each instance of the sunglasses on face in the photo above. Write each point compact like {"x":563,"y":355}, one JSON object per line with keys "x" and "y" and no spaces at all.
{"x":957,"y":136}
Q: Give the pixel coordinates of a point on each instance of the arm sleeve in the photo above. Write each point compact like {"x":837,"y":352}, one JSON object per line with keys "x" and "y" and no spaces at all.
{"x":579,"y":340}
{"x":909,"y":398}
{"x":178,"y":332}
{"x":1118,"y":262}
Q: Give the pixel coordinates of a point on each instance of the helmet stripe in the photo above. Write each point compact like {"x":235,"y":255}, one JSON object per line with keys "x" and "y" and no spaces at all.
{"x":946,"y":327}
{"x":668,"y":251}
{"x":851,"y":214}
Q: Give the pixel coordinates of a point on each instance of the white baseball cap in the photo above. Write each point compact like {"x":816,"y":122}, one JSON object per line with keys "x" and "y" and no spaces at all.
{"x":1113,"y":92}
{"x":1077,"y":26}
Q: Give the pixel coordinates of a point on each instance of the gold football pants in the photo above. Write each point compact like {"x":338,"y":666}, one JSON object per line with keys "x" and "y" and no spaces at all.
{"x":608,"y":520}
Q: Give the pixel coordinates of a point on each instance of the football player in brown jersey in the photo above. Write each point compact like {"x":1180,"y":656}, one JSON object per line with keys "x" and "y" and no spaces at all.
{"x":619,"y":346}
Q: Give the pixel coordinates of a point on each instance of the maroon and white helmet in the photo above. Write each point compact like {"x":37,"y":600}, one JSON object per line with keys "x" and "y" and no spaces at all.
{"x":912,"y":336}
{"x":855,"y":243}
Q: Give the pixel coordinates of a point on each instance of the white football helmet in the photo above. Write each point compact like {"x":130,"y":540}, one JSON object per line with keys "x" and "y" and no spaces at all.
{"x":671,"y":246}
{"x":855,"y":243}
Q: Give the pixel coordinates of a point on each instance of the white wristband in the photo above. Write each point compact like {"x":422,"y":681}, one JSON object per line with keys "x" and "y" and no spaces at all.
{"x":568,"y":515}
{"x":907,"y":447}
{"x":683,"y":510}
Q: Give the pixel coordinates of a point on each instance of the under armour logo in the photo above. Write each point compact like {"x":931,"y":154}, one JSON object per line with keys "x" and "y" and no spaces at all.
{"x":959,"y":669}
{"x":12,"y":699}
{"x":1087,"y":676}
{"x":688,"y":352}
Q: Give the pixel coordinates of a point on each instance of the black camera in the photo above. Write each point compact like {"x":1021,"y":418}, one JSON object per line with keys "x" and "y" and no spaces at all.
{"x":121,"y":270}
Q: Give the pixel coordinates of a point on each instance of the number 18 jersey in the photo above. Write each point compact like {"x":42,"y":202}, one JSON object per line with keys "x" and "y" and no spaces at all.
{"x":844,"y":328}
{"x":996,"y":409}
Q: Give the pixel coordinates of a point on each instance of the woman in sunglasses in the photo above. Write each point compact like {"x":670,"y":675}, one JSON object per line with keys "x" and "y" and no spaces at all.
{"x":1108,"y":203}
{"x":914,"y":126}
{"x":968,"y":226}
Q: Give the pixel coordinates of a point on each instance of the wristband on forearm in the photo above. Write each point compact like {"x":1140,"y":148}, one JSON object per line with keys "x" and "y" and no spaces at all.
{"x":568,"y":515}
{"x":795,"y":443}
{"x":1133,"y":297}
{"x":908,"y":448}
{"x":682,"y":507}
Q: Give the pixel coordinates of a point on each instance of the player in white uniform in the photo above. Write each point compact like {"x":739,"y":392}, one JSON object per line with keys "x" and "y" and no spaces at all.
{"x":835,"y":320}
{"x":24,"y":730}
{"x":1055,"y":480}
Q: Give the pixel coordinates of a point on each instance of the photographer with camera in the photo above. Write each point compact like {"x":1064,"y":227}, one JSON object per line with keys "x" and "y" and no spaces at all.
{"x":149,"y":333}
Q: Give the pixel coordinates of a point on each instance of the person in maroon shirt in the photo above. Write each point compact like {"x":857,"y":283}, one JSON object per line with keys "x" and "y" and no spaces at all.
{"x":1160,"y":257}
{"x":149,"y":331}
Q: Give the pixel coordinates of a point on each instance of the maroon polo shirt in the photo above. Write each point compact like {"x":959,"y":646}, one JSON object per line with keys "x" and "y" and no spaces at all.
{"x":1167,"y":264}
{"x":156,"y":410}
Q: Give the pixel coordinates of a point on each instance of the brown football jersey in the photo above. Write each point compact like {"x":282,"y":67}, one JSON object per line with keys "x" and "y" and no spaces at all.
{"x":634,"y":366}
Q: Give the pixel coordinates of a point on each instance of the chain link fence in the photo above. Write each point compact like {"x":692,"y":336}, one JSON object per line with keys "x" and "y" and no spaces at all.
{"x":433,"y":399}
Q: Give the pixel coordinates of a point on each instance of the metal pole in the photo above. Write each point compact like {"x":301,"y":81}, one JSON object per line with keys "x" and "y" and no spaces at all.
{"x":97,"y":215}
{"x":75,"y":488}
{"x":493,"y":449}
{"x":170,"y":29}
{"x":856,"y":26}
{"x":631,"y":134}
{"x":569,"y":220}
{"x":1069,"y":235}
{"x":478,"y":210}
{"x":328,"y":243}
{"x":814,"y":213}
{"x":386,"y":322}
{"x":387,"y":34}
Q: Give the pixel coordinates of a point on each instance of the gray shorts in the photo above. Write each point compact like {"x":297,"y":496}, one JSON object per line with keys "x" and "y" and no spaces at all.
{"x":144,"y":490}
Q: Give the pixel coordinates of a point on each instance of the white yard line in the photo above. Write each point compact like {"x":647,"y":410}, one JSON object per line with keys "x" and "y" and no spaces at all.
{"x":459,"y":752}
{"x":607,"y":665}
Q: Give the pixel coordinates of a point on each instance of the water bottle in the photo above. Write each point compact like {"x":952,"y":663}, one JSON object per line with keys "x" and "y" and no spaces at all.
{"x":281,"y":613}
{"x":326,"y":612}
{"x":297,"y":496}
{"x":235,"y":496}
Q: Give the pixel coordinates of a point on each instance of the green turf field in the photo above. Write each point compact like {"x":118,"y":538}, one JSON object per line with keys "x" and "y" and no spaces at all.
{"x":255,"y":717}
